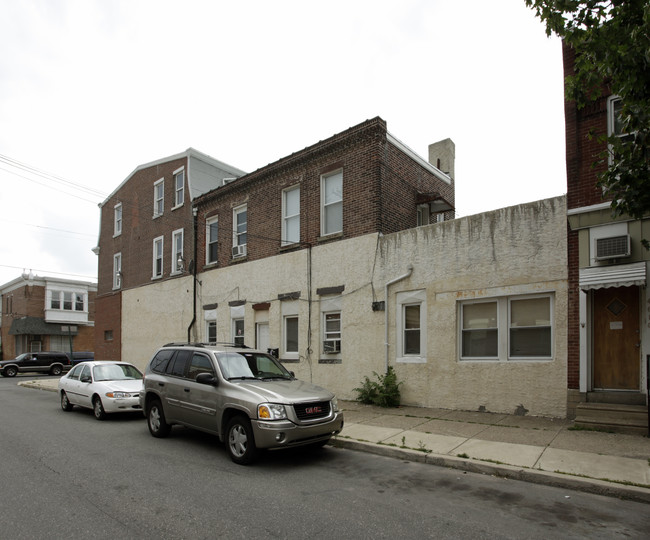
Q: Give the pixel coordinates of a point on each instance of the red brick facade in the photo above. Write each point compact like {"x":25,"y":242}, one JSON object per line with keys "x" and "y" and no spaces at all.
{"x":583,"y":148}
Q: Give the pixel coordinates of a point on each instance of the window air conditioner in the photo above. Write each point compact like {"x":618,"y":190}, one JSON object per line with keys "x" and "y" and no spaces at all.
{"x":331,"y":346}
{"x":612,"y":247}
{"x":239,"y":251}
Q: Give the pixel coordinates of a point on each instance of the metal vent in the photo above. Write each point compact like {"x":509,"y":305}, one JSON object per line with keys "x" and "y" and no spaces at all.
{"x":613,"y":247}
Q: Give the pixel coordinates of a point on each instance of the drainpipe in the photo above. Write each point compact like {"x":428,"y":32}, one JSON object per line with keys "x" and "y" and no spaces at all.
{"x":409,"y":271}
{"x":195,"y":212}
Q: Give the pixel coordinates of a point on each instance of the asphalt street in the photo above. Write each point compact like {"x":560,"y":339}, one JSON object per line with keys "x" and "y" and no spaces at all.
{"x":68,"y":475}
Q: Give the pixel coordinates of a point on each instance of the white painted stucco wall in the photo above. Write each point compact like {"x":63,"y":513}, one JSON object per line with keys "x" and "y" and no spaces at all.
{"x":517,"y":250}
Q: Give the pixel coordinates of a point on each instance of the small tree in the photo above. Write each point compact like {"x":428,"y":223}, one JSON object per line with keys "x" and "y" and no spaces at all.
{"x":611,"y":39}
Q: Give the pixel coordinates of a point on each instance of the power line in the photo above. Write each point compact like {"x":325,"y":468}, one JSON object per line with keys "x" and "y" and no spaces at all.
{"x":48,"y":228}
{"x":47,"y":272}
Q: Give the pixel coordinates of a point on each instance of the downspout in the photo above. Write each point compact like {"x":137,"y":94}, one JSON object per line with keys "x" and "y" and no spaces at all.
{"x":409,"y":271}
{"x":195,"y":213}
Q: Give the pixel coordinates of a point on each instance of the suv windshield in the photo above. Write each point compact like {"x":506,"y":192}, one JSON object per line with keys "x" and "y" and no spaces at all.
{"x":251,"y":366}
{"x":116,"y":372}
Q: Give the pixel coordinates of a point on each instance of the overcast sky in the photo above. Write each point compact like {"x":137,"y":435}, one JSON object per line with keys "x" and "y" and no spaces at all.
{"x":90,"y":89}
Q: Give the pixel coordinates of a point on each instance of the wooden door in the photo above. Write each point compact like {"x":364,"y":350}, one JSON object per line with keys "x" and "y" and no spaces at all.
{"x":616,"y":338}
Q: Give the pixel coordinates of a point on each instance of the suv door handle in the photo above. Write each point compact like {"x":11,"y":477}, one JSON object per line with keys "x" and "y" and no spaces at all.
{"x":186,"y":389}
{"x":161,"y":384}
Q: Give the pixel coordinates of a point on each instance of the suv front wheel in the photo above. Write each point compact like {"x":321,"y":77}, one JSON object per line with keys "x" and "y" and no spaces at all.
{"x":240,"y":442}
{"x":158,"y":427}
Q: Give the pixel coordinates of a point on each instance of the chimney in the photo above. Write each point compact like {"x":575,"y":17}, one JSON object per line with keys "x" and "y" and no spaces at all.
{"x":442,"y":154}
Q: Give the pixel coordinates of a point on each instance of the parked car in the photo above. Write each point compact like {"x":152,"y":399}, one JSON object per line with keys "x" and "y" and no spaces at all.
{"x":105,"y":387}
{"x":77,"y":357}
{"x":245,"y":397}
{"x":50,"y":363}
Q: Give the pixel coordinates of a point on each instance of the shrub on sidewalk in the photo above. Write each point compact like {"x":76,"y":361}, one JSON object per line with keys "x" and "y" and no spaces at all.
{"x":383,"y":392}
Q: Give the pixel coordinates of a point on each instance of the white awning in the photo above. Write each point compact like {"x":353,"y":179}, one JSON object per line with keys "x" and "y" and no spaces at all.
{"x":621,"y":275}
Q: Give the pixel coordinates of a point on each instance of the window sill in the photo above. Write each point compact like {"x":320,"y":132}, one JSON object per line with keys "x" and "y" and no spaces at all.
{"x":330,"y":361}
{"x":178,"y":206}
{"x":156,"y":216}
{"x":117,"y":234}
{"x":329,"y":237}
{"x":156,"y":278}
{"x":412,"y":360}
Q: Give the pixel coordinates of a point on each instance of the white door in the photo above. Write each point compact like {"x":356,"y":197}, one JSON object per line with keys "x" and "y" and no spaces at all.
{"x":262,"y":336}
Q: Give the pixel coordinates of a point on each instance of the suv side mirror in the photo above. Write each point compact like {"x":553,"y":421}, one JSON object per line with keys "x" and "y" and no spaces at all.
{"x":207,"y":378}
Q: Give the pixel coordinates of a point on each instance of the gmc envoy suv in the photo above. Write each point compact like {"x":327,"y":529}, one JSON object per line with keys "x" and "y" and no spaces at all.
{"x":245,"y":397}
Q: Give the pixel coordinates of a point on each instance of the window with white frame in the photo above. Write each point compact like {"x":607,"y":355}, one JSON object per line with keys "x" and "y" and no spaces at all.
{"x":117,"y":226}
{"x":507,"y":328}
{"x":117,"y":271}
{"x":240,"y":230}
{"x":332,"y":203}
{"x":211,"y":240}
{"x":332,"y":332}
{"x":615,"y":124}
{"x":291,"y":216}
{"x":238,"y":332}
{"x":290,"y":331}
{"x":411,"y":311}
{"x":211,"y":331}
{"x":179,"y":187}
{"x":157,"y":266}
{"x":67,"y":300}
{"x":177,"y":251}
{"x":158,"y":197}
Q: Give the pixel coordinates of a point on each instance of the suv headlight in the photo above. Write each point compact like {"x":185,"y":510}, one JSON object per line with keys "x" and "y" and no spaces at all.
{"x":271,"y":411}
{"x":335,"y":404}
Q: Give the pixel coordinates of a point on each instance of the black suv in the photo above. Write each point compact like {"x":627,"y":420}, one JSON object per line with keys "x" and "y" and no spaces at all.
{"x":51,"y":363}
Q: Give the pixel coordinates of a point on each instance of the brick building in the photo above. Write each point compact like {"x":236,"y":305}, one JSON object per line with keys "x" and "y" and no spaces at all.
{"x":146,"y":233}
{"x":46,"y":314}
{"x":609,"y":335}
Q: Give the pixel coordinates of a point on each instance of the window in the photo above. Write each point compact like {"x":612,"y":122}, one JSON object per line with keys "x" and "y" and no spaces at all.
{"x":177,"y":251}
{"x":108,"y":335}
{"x":67,"y":301}
{"x":411,"y":339}
{"x":507,"y":328}
{"x":117,"y":271}
{"x":238,"y":331}
{"x":332,"y":333}
{"x":411,"y":310}
{"x":530,"y":328}
{"x":179,"y":187}
{"x":332,"y":203}
{"x":55,"y":302}
{"x":615,"y":120}
{"x":240,"y":227}
{"x":79,"y":302}
{"x":291,"y":334}
{"x":480,"y":330}
{"x":157,"y":257}
{"x":199,"y":364}
{"x":291,"y":216}
{"x":211,"y":238}
{"x":158,"y":197}
{"x":117,"y":229}
{"x":211,"y":331}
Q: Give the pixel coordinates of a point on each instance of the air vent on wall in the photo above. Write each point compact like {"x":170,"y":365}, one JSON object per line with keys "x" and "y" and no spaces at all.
{"x":613,"y":247}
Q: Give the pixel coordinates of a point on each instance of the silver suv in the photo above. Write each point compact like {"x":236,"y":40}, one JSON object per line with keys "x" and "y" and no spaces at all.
{"x":246,"y":397}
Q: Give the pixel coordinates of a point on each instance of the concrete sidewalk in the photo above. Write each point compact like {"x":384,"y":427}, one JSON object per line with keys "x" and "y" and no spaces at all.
{"x":541,"y":450}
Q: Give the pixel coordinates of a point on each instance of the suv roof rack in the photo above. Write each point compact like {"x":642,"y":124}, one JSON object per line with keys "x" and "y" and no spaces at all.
{"x":200,"y":344}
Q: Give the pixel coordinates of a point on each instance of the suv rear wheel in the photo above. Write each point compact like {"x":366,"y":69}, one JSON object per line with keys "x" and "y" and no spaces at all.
{"x":56,"y":370}
{"x":240,"y":442}
{"x":11,"y":371}
{"x":158,"y":427}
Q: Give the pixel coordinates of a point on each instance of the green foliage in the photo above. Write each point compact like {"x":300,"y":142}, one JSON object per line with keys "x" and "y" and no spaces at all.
{"x":611,"y":39}
{"x":383,"y":392}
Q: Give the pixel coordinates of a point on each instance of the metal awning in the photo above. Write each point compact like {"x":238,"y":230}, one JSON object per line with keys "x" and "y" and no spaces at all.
{"x":620,"y":275}
{"x":35,"y":326}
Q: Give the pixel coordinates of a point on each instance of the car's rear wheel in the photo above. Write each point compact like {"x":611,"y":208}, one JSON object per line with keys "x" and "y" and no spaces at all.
{"x":158,"y":427}
{"x":56,"y":370}
{"x":10,"y":371}
{"x":240,"y":442}
{"x":65,"y":402}
{"x":98,"y":409}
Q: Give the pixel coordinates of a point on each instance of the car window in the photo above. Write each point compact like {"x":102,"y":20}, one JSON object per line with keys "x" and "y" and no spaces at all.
{"x":199,"y":364}
{"x":160,"y":361}
{"x":256,"y":365}
{"x":85,"y":372}
{"x":74,"y":373}
{"x":115,"y":372}
{"x":178,"y":365}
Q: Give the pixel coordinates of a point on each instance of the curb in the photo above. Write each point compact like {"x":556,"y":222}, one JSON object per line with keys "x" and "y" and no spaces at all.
{"x":535,"y":476}
{"x":37,"y":385}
